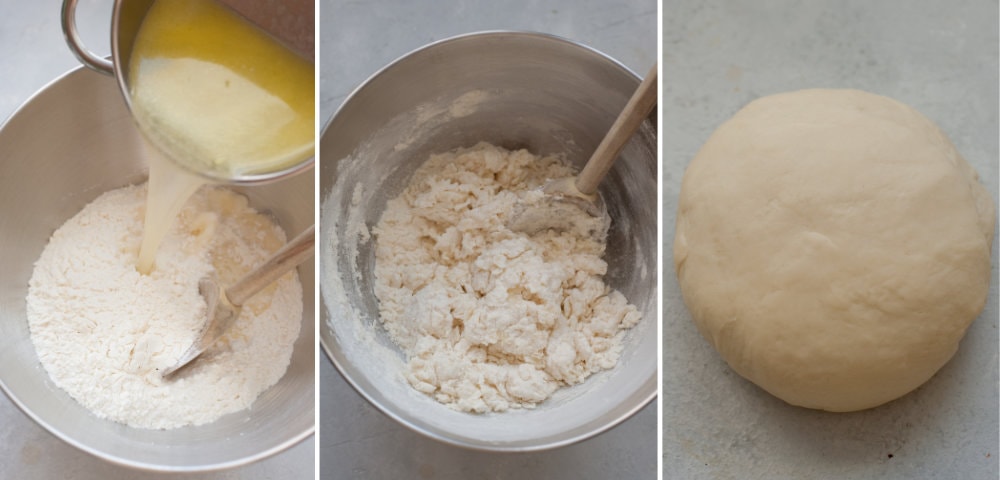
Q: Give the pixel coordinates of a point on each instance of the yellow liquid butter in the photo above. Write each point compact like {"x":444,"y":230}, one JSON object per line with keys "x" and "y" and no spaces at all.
{"x":218,"y":96}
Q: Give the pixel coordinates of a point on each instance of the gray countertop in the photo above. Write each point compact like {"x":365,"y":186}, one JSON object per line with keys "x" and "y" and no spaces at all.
{"x":939,"y":57}
{"x":33,"y":53}
{"x":357,"y":39}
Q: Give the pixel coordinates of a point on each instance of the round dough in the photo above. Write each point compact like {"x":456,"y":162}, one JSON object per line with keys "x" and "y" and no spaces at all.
{"x":833,"y":246}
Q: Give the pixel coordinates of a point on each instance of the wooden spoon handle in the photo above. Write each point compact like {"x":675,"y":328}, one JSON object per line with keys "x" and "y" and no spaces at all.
{"x":285,"y":259}
{"x":636,"y":110}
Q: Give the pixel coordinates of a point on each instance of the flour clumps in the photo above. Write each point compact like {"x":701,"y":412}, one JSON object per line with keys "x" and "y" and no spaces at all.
{"x":103,"y":331}
{"x":491,"y":319}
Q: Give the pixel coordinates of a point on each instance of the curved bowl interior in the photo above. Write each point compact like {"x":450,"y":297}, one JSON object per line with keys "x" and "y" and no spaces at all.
{"x":68,"y":144}
{"x":516,"y":90}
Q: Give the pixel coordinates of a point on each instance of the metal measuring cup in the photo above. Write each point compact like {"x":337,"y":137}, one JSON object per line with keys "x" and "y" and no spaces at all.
{"x":290,"y":22}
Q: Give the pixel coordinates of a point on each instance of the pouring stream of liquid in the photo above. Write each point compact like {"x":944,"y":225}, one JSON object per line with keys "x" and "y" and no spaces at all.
{"x":169,"y":188}
{"x":213,"y":93}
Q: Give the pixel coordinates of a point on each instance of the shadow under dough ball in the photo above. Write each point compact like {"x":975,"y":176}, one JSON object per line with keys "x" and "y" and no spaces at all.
{"x":833,"y":246}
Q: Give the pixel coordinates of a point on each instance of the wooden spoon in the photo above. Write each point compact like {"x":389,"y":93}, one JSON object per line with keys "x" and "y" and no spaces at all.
{"x":223,"y":306}
{"x":554,"y":208}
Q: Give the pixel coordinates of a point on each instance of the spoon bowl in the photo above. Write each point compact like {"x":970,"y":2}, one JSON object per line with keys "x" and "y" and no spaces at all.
{"x":562,"y":200}
{"x":222,"y":307}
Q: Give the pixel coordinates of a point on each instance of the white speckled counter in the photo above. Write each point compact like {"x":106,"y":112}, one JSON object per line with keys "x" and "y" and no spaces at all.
{"x":357,"y":39}
{"x":939,"y":57}
{"x":33,"y":53}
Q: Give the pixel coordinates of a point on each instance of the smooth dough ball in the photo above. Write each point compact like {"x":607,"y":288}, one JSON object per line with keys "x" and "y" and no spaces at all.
{"x":833,"y":246}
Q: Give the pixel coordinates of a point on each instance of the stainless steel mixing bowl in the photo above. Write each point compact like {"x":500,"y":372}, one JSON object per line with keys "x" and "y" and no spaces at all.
{"x":68,"y":144}
{"x":514,"y":89}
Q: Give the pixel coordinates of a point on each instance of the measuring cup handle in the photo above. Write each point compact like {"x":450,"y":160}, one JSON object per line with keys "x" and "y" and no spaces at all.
{"x":75,"y":43}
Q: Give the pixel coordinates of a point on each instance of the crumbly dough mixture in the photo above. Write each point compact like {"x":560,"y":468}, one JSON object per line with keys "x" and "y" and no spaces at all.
{"x":491,"y":319}
{"x":103,"y":331}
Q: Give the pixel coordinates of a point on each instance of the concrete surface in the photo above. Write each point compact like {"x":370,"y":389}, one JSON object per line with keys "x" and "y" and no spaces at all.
{"x":32,"y":53}
{"x":939,"y":57}
{"x":357,"y":39}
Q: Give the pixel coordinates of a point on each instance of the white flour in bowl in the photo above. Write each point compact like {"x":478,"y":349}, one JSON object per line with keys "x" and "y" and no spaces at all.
{"x":491,"y":319}
{"x":103,"y":331}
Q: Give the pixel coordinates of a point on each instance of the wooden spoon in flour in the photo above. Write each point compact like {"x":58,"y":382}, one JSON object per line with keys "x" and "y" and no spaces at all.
{"x":560,"y":201}
{"x":223,"y":306}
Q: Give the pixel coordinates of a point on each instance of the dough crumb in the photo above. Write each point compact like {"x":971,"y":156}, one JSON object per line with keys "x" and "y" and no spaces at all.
{"x":491,"y":319}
